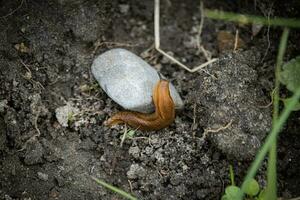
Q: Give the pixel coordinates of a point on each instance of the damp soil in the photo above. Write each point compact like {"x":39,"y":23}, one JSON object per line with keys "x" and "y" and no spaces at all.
{"x":46,"y":50}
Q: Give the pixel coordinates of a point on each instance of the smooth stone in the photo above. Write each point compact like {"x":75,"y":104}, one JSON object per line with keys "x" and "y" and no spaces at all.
{"x":129,"y":80}
{"x":64,"y":113}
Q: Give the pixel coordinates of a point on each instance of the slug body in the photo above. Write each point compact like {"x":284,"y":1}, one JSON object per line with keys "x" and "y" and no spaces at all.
{"x":163,"y":116}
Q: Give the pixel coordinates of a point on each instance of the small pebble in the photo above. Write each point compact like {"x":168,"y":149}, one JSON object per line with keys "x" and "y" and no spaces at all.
{"x":3,"y":105}
{"x":124,"y":8}
{"x":64,"y":114}
{"x":42,"y":176}
{"x":136,"y":171}
{"x":129,"y":80}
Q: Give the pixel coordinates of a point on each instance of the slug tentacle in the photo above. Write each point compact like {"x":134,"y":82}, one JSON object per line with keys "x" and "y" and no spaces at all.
{"x":163,"y":116}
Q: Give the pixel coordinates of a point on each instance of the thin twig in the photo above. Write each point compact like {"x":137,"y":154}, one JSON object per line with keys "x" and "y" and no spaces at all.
{"x":269,"y":104}
{"x":236,"y":40}
{"x":9,"y":14}
{"x":130,"y":185}
{"x":205,"y":52}
{"x":194,"y":119}
{"x":206,"y":131}
{"x":36,"y":126}
{"x":157,"y":43}
{"x":124,"y":136}
{"x":29,"y":77}
{"x":200,"y":25}
{"x":38,"y":134}
{"x":268,"y":38}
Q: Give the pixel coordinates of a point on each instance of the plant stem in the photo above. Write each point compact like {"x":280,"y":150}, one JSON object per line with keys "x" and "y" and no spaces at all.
{"x":252,"y":19}
{"x":231,"y":175}
{"x":271,"y":191}
{"x":271,"y":138}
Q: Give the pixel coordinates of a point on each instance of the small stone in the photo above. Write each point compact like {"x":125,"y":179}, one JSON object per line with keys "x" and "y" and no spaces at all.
{"x":129,"y":80}
{"x":134,"y":151}
{"x":34,"y":153}
{"x":136,"y":171}
{"x":42,"y":176}
{"x":3,"y":105}
{"x":64,"y":114}
{"x":60,"y":180}
{"x":7,"y":197}
{"x":256,"y":28}
{"x":124,"y":8}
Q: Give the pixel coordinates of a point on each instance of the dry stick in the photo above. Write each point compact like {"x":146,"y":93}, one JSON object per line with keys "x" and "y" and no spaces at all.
{"x":206,"y":131}
{"x":206,"y":53}
{"x":268,"y":38}
{"x":236,"y":39}
{"x":32,"y":138}
{"x":269,"y":104}
{"x":130,"y":185}
{"x":200,"y":25}
{"x":157,"y":43}
{"x":124,"y":136}
{"x":36,"y":126}
{"x":9,"y":14}
{"x":30,"y":79}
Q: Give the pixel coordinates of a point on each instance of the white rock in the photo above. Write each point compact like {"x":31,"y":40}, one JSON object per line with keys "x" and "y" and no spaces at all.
{"x":129,"y":80}
{"x":64,"y":113}
{"x":42,"y":176}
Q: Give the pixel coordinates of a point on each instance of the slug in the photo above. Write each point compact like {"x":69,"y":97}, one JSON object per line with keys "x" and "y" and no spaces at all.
{"x":163,"y":116}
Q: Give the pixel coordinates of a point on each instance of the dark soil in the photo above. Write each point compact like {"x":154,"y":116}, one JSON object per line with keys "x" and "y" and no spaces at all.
{"x":46,"y":50}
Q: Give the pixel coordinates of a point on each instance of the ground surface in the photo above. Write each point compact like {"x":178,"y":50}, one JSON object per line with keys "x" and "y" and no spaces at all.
{"x":46,"y":50}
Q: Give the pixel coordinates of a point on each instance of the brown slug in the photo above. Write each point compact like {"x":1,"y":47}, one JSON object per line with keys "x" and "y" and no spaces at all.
{"x":163,"y":116}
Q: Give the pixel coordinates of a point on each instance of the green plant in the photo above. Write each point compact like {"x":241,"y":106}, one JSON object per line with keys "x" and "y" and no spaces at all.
{"x":290,"y":77}
{"x":233,"y":192}
{"x":128,"y":134}
{"x":250,"y":187}
{"x":71,"y":117}
{"x":114,"y":189}
{"x":251,"y":19}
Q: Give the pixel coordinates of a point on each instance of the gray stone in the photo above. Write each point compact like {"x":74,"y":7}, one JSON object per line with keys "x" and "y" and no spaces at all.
{"x":136,"y":171}
{"x":124,"y":8}
{"x":42,"y":176}
{"x":64,"y":114}
{"x":129,"y":80}
{"x":3,"y":105}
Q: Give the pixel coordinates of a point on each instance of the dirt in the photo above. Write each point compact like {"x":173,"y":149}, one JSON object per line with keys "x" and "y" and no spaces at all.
{"x":46,"y":50}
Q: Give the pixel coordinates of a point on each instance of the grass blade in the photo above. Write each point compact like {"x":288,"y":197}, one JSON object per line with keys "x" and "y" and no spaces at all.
{"x":114,"y":189}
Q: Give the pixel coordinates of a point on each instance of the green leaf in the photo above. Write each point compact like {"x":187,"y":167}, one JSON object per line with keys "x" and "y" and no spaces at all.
{"x":287,"y":101}
{"x":232,"y":192}
{"x":262,"y":195}
{"x":130,"y":133}
{"x":224,"y":197}
{"x":252,"y":188}
{"x":290,"y":74}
